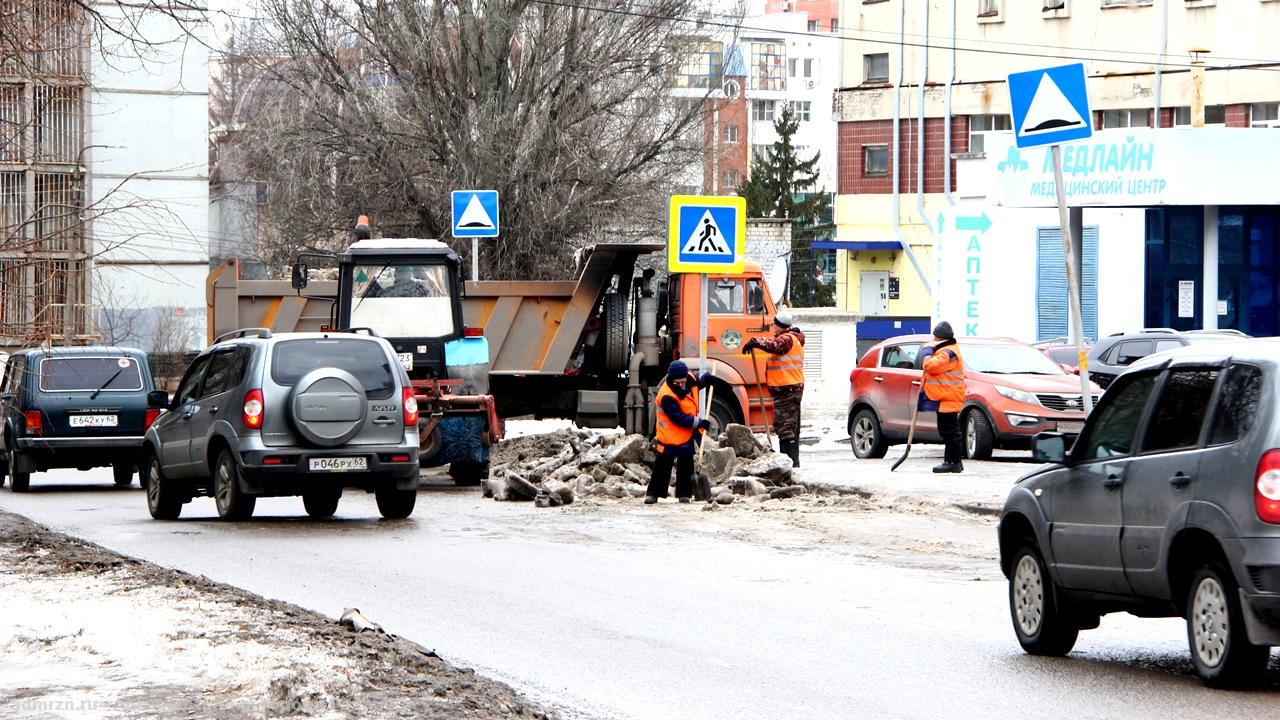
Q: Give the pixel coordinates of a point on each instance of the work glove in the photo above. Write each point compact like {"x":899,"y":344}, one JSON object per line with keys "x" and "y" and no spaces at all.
{"x":703,"y":424}
{"x":750,"y":345}
{"x":704,"y":380}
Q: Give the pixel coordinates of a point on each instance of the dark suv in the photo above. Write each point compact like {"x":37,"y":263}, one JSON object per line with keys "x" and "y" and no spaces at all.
{"x":1116,"y":352}
{"x":1167,"y":505}
{"x":304,"y":414}
{"x":79,"y":407}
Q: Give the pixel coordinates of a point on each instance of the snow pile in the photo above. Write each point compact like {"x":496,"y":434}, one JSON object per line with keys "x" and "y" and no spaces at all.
{"x":556,"y":468}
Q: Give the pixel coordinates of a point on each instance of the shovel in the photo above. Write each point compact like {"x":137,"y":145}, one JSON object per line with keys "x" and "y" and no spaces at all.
{"x":768,"y":431}
{"x":911,"y":431}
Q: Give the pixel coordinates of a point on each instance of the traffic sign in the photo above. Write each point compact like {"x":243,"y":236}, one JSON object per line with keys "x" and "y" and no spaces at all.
{"x":1050,"y":105}
{"x":475,"y":213}
{"x":707,"y":233}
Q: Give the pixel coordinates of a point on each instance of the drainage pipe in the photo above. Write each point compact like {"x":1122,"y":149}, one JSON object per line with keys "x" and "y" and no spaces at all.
{"x":897,"y":147}
{"x":946,"y":130}
{"x":920,"y":128}
{"x":1164,"y":45}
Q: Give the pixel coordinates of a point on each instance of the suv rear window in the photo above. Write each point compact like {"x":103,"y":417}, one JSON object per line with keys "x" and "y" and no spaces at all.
{"x":363,"y":358}
{"x":89,"y":373}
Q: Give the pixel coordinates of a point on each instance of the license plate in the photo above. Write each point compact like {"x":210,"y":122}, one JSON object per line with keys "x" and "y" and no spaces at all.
{"x":1070,"y":427}
{"x":338,"y":464}
{"x":406,"y":360}
{"x":93,"y":420}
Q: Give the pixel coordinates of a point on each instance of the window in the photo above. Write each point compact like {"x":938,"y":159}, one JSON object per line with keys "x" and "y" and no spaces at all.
{"x":802,"y":109}
{"x":407,"y":301}
{"x":875,"y":159}
{"x":726,"y":297}
{"x":1124,"y":3}
{"x":835,"y":25}
{"x":731,"y":134}
{"x":1110,"y":430}
{"x":363,"y":358}
{"x":191,"y":382}
{"x":701,"y":67}
{"x":12,"y":113}
{"x":1126,"y":118}
{"x":767,"y":65}
{"x":1181,"y":410}
{"x":1263,"y":115}
{"x":16,"y":368}
{"x":791,"y":67}
{"x":902,"y":357}
{"x":980,"y":125}
{"x":813,"y":26}
{"x":225,"y":372}
{"x":762,"y":110}
{"x":875,"y":67}
{"x":760,"y":153}
{"x":1237,"y":405}
{"x":808,"y":67}
{"x":89,"y":373}
{"x":1129,"y":352}
{"x":1055,"y":4}
{"x":988,"y":8}
{"x":58,"y":114}
{"x":755,"y":297}
{"x":731,"y":180}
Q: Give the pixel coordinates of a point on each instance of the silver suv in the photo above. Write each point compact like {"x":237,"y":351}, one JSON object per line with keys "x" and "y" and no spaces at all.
{"x":1168,"y":505}
{"x":307,"y":414}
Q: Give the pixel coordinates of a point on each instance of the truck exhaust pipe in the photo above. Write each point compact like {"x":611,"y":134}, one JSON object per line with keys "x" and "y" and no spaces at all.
{"x":647,"y":322}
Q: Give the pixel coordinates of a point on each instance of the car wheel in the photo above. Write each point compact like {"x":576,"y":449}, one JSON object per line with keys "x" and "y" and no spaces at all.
{"x":468,"y":473}
{"x":123,"y":474}
{"x":978,"y":437}
{"x":163,"y":501}
{"x":321,"y":505}
{"x":18,"y":481}
{"x":232,"y":504}
{"x":865,"y":436}
{"x":1041,"y":626}
{"x":1220,"y":647}
{"x":395,"y":504}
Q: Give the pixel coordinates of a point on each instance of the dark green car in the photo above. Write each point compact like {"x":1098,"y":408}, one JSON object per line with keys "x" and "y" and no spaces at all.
{"x":80,"y":407}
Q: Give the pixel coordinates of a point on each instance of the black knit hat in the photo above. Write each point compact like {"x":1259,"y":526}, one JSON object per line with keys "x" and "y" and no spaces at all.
{"x":943,"y":331}
{"x":677,"y":370}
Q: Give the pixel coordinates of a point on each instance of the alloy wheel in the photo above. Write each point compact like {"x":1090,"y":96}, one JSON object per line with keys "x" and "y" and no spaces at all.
{"x":970,"y":436}
{"x":1211,"y":623}
{"x":153,"y":482}
{"x":222,"y":491}
{"x":864,"y":435}
{"x":1028,"y":588}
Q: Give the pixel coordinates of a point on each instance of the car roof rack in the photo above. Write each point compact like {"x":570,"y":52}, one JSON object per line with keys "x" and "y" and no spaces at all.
{"x":261,"y":332}
{"x":357,"y":330}
{"x":1220,"y":331}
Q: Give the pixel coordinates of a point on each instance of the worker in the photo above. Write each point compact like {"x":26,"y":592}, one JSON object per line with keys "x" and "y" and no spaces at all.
{"x":943,"y":384}
{"x":784,"y":374}
{"x":679,"y":430}
{"x":404,"y":284}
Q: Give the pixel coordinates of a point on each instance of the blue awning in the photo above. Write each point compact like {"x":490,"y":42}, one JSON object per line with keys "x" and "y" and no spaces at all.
{"x":856,"y":245}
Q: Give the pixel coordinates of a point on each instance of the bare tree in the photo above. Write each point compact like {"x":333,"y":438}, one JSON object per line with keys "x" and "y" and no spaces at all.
{"x":384,"y":107}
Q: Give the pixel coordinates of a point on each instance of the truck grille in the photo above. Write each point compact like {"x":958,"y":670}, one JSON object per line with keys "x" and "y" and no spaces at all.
{"x":1063,"y":403}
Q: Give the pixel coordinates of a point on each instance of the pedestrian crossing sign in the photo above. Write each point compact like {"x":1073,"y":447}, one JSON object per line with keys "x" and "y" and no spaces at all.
{"x":706,"y":233}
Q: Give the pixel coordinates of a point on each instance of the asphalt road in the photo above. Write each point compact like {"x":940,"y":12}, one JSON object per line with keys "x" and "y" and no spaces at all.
{"x":632,"y":612}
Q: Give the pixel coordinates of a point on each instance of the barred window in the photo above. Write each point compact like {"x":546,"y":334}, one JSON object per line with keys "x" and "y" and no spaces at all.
{"x":13,"y":296}
{"x":51,"y":297}
{"x":12,"y":118}
{"x":58,"y":123}
{"x":57,"y":216}
{"x":11,"y":209}
{"x":58,"y":30}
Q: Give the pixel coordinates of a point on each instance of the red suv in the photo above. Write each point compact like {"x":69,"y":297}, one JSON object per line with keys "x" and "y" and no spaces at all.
{"x":1013,"y":392}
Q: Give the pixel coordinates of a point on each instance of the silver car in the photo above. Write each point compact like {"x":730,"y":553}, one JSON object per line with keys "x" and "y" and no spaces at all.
{"x":262,"y":415}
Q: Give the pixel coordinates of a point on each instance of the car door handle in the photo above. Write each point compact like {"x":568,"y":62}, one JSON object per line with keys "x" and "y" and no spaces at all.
{"x":1180,"y":480}
{"x":878,"y":378}
{"x":384,"y":421}
{"x":1112,"y":482}
{"x":187,"y":415}
{"x":916,"y":383}
{"x":213,"y":409}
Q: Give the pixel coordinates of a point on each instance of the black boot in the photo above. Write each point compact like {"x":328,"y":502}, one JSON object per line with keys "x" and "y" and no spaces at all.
{"x":949,"y":467}
{"x":791,"y":448}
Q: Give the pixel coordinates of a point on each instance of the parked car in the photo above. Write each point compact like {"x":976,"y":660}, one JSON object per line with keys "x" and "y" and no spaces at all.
{"x":79,"y":407}
{"x":1112,"y":354}
{"x":1168,"y":505}
{"x":1062,"y":351}
{"x":1012,"y":393}
{"x":305,"y":414}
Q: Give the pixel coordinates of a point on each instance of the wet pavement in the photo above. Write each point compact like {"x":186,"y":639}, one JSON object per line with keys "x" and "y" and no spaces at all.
{"x":622,"y":611}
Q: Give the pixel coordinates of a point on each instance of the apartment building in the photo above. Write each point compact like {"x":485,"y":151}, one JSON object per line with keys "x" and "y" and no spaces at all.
{"x":924,"y":134}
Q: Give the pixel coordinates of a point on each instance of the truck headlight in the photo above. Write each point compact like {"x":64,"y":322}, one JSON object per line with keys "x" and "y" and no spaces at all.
{"x":1021,"y":396}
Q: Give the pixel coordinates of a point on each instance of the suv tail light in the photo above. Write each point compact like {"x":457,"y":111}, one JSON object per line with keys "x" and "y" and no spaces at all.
{"x":410,"y":408}
{"x":35,"y":422}
{"x":252,"y":414}
{"x":152,"y":414}
{"x":1266,"y":488}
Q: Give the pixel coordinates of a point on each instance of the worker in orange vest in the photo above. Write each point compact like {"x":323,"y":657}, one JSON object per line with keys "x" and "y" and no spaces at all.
{"x":943,"y":383}
{"x":679,"y":429}
{"x":784,"y":374}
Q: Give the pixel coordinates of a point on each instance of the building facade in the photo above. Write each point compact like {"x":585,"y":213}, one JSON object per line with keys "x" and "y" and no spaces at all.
{"x":910,"y":117}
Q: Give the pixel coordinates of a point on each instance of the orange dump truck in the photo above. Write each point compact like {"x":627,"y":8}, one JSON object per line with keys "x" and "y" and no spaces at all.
{"x":592,"y":349}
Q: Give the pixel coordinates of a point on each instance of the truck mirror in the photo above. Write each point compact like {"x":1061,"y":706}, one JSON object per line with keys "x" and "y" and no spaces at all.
{"x":299,"y":275}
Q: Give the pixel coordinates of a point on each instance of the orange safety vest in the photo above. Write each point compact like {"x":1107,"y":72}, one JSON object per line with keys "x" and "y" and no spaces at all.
{"x":669,"y":433}
{"x":944,"y":380}
{"x":787,"y":368}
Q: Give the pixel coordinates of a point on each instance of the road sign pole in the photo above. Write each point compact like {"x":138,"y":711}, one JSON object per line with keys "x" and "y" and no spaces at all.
{"x":475,"y":259}
{"x":1073,"y":287}
{"x":702,"y":324}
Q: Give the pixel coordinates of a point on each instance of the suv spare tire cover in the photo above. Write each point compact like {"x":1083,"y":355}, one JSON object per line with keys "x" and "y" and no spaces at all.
{"x":328,"y":406}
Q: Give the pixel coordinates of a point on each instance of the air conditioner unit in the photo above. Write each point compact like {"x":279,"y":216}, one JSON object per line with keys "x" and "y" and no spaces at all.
{"x":786,"y":6}
{"x":811,"y":84}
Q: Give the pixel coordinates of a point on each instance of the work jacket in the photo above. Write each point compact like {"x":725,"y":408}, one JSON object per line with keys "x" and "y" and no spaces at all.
{"x":675,"y":429}
{"x":944,"y":377}
{"x":785,"y":367}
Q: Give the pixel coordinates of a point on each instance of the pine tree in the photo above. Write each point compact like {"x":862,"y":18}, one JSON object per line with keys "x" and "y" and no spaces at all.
{"x":780,"y":186}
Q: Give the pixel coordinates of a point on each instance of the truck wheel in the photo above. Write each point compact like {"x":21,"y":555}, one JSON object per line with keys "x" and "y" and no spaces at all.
{"x":722,"y":414}
{"x":866,"y":437}
{"x":162,"y":498}
{"x":1040,"y":624}
{"x":232,"y":504}
{"x":395,"y":504}
{"x":617,"y":332}
{"x":1220,"y":647}
{"x":322,"y":504}
{"x":123,"y":473}
{"x":468,"y":473}
{"x":978,"y":437}
{"x":18,"y":481}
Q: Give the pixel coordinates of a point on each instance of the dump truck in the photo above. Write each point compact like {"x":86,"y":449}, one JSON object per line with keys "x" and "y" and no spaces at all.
{"x":408,"y":292}
{"x":592,"y":349}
